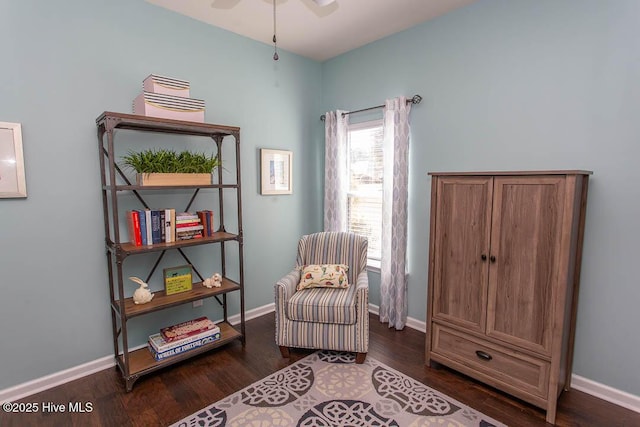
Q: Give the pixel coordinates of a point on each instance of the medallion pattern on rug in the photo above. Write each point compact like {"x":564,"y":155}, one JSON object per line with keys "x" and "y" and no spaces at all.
{"x":328,"y":389}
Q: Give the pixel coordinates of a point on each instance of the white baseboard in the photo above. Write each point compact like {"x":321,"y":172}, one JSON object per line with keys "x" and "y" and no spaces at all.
{"x":37,"y":385}
{"x":419,"y":325}
{"x":601,"y":391}
{"x":11,"y":394}
{"x":253,"y":313}
{"x":604,"y":392}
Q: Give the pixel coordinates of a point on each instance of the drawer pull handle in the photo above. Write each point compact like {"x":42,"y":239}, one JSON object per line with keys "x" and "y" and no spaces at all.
{"x":483,"y":355}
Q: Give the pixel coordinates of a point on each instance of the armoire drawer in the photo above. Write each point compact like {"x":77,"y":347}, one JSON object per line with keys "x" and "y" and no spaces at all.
{"x":495,"y":364}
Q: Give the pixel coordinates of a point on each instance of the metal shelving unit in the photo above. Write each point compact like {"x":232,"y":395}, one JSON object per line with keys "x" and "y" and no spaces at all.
{"x":134,"y":364}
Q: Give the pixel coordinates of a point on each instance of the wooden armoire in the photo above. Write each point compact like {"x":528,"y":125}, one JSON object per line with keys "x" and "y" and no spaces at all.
{"x":505,"y":251}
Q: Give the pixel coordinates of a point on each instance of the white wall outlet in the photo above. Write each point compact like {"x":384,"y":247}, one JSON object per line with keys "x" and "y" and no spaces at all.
{"x":197,"y":303}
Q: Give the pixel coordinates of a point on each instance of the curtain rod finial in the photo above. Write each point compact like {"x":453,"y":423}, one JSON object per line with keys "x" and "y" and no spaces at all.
{"x":417,"y":99}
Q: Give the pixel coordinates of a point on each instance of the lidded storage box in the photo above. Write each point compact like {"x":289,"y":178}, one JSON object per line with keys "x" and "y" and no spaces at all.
{"x":169,"y":107}
{"x":168,"y":98}
{"x":166,"y":85}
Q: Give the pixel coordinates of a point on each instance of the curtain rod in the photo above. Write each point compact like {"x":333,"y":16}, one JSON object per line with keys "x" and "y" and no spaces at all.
{"x":416,"y":99}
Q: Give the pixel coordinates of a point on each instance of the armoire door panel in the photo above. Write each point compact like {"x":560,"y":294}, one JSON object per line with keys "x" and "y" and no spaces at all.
{"x":525,"y":239}
{"x":461,"y":258}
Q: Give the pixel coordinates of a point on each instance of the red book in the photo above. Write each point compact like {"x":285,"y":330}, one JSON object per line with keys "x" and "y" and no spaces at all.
{"x":187,"y":224}
{"x":186,"y":329}
{"x":133,"y":223}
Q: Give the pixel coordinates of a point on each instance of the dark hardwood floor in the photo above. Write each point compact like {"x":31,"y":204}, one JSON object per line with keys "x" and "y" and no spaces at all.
{"x":173,"y":393}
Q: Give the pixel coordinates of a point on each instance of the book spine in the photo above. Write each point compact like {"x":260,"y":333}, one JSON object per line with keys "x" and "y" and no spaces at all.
{"x":136,"y":228}
{"x":147,"y":214}
{"x":202,"y":215}
{"x":185,"y":215}
{"x":163,"y":229}
{"x":210,"y":222}
{"x":187,"y":223}
{"x":183,"y":348}
{"x":173,"y":225}
{"x":190,"y":236}
{"x":143,"y":226}
{"x":156,"y":230}
{"x":167,"y":226}
{"x":187,"y":329}
{"x":133,"y":232}
{"x":160,"y":345}
{"x":189,"y":228}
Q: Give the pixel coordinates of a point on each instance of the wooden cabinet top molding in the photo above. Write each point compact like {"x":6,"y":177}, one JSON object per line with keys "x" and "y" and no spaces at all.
{"x":518,"y":173}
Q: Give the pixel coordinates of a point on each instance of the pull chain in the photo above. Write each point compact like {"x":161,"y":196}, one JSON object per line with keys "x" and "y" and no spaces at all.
{"x":275,"y":43}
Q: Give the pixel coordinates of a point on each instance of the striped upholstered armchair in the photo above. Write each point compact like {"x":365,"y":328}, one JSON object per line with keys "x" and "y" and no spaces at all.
{"x":325,"y":318}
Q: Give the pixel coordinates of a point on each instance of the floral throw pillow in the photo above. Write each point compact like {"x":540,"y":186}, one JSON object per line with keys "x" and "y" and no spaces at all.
{"x":323,"y":276}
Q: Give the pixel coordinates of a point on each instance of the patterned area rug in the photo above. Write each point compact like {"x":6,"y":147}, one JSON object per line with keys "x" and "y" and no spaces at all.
{"x":330,"y":389}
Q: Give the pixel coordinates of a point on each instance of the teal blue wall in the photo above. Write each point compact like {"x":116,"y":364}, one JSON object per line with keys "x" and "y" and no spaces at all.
{"x":516,"y":85}
{"x":64,"y":63}
{"x":506,"y":85}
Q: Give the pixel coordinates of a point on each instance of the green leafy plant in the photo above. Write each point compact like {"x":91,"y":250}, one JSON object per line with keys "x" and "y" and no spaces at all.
{"x":169,"y":161}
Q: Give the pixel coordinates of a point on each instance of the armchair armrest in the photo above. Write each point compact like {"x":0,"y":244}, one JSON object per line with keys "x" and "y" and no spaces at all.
{"x":286,"y":286}
{"x":362,"y":295}
{"x":362,"y":281}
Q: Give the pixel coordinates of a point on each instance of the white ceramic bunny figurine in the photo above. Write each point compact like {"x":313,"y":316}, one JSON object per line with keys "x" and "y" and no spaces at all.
{"x":214,"y":281}
{"x":142,"y":295}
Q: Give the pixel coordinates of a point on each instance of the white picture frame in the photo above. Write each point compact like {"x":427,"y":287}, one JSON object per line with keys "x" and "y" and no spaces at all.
{"x":12,"y":179}
{"x":276,"y":170}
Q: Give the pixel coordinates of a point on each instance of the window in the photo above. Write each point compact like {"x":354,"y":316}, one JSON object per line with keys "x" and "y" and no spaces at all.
{"x":364,"y":192}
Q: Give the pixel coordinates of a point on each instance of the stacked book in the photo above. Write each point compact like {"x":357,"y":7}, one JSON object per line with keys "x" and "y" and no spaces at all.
{"x":152,"y":226}
{"x":168,"y":98}
{"x":183,"y":337}
{"x":188,"y":226}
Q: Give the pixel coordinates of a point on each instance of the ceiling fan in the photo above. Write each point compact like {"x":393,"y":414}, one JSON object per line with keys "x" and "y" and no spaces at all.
{"x":229,"y":4}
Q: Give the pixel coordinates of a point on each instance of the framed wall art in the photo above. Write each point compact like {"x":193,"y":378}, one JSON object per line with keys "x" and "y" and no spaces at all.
{"x":12,"y":181}
{"x":276,"y":168}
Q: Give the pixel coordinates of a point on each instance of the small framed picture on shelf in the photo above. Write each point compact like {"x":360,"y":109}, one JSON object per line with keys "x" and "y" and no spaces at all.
{"x":276,"y":168}
{"x":12,"y":181}
{"x":177,"y":279}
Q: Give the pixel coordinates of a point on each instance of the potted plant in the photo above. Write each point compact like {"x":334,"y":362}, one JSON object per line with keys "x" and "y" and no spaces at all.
{"x":168,"y":167}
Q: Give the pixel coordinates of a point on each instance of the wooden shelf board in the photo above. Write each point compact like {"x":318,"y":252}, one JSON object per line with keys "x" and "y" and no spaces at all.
{"x":155,"y":124}
{"x":161,"y":300}
{"x":218,"y":236}
{"x":142,"y":362}
{"x":132,"y":187}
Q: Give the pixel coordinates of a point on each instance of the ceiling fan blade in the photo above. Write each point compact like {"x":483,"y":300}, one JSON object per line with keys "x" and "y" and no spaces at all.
{"x":323,"y":3}
{"x":224,"y":4}
{"x":321,"y":8}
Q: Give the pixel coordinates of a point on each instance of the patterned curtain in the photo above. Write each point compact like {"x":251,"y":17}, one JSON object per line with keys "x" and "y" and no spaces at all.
{"x":393,"y":278}
{"x":335,"y":166}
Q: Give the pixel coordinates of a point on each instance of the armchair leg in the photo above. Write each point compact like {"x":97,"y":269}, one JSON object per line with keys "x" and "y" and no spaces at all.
{"x":284,"y":351}
{"x":360,"y":358}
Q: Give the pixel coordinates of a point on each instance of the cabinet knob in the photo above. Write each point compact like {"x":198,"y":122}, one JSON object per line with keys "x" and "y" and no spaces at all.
{"x":483,"y":257}
{"x":493,"y":258}
{"x":483,"y":355}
